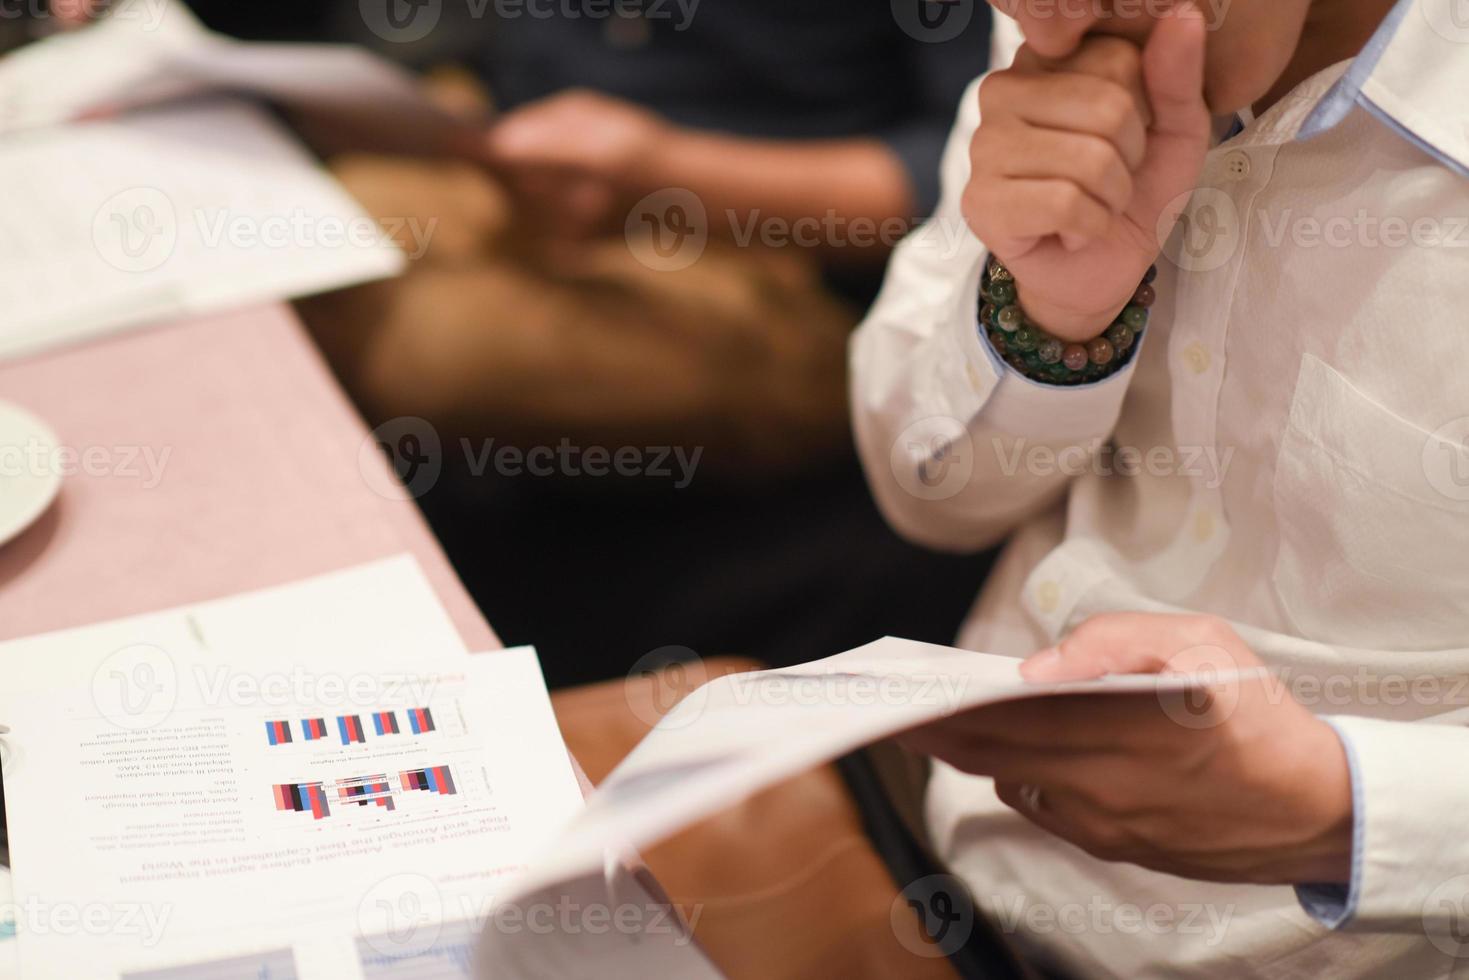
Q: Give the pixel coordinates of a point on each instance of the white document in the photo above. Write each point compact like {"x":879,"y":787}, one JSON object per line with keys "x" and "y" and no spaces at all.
{"x":137,"y":191}
{"x":742,"y":733}
{"x":167,"y":212}
{"x":314,"y":781}
{"x":147,"y":51}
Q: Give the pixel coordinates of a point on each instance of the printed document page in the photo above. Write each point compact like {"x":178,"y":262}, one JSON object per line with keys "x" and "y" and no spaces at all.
{"x":169,"y":211}
{"x":313,"y":781}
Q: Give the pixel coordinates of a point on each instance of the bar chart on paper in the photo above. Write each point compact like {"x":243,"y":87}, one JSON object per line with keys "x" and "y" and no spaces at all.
{"x":378,"y":791}
{"x":354,"y":728}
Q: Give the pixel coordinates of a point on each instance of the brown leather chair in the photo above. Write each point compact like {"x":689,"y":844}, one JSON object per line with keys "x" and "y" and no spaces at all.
{"x":783,"y":885}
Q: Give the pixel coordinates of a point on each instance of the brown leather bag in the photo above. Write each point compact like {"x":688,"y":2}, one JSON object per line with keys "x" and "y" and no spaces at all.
{"x":783,"y":885}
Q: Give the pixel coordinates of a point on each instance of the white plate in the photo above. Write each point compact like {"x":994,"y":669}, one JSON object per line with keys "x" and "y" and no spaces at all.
{"x":29,"y":479}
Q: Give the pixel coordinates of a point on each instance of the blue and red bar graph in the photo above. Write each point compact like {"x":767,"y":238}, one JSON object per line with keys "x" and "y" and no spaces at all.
{"x":302,"y":797}
{"x":350,"y":728}
{"x":435,"y":780}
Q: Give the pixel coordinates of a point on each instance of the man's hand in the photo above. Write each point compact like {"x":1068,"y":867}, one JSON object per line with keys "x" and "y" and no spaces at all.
{"x":1075,"y":161}
{"x":577,"y":159}
{"x":73,"y":13}
{"x":1239,"y":784}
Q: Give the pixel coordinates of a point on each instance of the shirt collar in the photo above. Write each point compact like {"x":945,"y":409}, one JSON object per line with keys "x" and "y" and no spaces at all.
{"x":1413,"y":76}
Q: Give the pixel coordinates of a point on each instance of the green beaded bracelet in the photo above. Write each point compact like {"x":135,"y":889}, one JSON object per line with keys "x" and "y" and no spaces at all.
{"x":1039,"y":356}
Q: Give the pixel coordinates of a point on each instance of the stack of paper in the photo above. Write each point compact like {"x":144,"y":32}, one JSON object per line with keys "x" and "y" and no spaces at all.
{"x":312,"y":782}
{"x":124,"y":205}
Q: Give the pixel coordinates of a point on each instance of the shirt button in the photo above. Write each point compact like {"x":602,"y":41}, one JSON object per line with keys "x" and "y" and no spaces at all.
{"x":1196,"y":356}
{"x":1203,"y":526}
{"x":1236,"y":165}
{"x":975,"y":381}
{"x":1048,"y":597}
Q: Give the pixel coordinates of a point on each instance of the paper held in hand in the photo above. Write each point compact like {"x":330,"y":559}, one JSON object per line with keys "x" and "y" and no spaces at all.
{"x":742,"y":733}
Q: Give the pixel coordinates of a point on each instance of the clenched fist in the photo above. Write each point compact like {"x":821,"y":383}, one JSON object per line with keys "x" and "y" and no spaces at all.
{"x":1075,"y":160}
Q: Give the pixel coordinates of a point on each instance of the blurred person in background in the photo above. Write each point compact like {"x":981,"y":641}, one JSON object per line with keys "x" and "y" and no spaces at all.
{"x":534,"y":320}
{"x":677,"y":216}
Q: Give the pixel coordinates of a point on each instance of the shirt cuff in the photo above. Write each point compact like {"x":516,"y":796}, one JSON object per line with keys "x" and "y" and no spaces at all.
{"x":1333,"y":905}
{"x":1409,"y":854}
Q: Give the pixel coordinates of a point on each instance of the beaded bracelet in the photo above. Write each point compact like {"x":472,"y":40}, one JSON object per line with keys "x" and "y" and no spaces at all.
{"x":1039,"y":356}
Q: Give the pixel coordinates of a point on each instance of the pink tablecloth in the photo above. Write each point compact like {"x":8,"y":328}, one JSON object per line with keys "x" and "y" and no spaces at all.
{"x":260,"y":479}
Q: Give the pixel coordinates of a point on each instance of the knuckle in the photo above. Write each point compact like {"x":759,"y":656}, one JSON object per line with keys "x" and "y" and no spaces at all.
{"x":1113,"y":107}
{"x":1118,"y":57}
{"x":1209,"y":628}
{"x":995,"y":91}
{"x":1067,"y":199}
{"x":1097,"y":159}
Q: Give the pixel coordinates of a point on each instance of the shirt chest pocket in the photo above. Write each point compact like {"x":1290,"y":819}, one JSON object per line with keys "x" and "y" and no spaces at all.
{"x":1373,"y":513}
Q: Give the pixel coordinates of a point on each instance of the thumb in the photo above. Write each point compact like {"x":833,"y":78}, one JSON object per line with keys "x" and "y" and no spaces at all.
{"x":1173,"y":73}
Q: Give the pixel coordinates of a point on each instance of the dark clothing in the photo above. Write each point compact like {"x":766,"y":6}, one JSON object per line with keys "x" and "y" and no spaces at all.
{"x":786,"y":69}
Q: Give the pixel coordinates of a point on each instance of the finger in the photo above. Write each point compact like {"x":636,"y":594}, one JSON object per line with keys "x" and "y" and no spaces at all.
{"x":587,"y":203}
{"x":1140,"y":643}
{"x":1012,"y":215}
{"x":539,"y":135}
{"x":1173,"y":73}
{"x":72,"y":12}
{"x":1112,"y":59}
{"x":1026,"y":764}
{"x":1090,"y":162}
{"x":1073,"y":103}
{"x":1065,"y":723}
{"x":1060,"y":814}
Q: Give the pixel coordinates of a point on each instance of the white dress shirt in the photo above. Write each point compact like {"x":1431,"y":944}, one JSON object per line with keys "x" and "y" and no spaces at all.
{"x":1286,"y":450}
